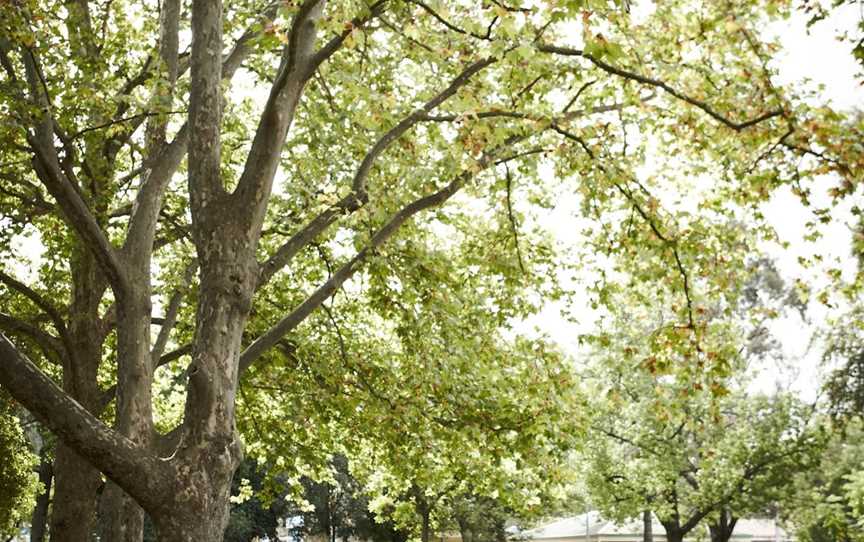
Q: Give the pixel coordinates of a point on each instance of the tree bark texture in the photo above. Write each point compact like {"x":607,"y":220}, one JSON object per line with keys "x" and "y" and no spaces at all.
{"x":76,"y":480}
{"x":39,"y":519}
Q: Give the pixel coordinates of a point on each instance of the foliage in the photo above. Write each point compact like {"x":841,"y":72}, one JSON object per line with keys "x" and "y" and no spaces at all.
{"x":686,"y":445}
{"x":825,"y":503}
{"x":481,"y":519}
{"x":250,"y":517}
{"x":820,"y":9}
{"x":338,"y":509}
{"x":19,"y":484}
{"x":735,"y":454}
{"x":348,"y":260}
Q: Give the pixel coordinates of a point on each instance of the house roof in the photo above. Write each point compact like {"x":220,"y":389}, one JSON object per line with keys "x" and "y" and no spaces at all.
{"x":592,"y":524}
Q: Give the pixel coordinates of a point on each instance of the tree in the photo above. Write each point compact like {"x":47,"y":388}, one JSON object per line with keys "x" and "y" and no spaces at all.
{"x":691,"y":470}
{"x":377,"y":115}
{"x":825,"y":502}
{"x":683,"y":444}
{"x":481,"y":519}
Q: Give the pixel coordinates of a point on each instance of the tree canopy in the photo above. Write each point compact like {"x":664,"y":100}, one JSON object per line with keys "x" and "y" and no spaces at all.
{"x":315,"y":227}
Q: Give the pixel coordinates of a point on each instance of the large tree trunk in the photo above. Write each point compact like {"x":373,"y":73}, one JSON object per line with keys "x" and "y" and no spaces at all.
{"x":39,"y":519}
{"x":187,"y":496}
{"x":199,"y":509}
{"x":674,"y":532}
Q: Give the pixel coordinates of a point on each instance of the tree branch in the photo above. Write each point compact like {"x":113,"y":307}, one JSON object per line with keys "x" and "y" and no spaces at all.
{"x":657,"y":83}
{"x":299,"y":62}
{"x":47,"y":307}
{"x":513,"y":226}
{"x":51,"y":346}
{"x":271,"y":337}
{"x":671,"y":244}
{"x":205,"y":108}
{"x":171,"y":314}
{"x":435,"y":15}
{"x":47,"y":166}
{"x":132,"y":467}
{"x":358,"y":197}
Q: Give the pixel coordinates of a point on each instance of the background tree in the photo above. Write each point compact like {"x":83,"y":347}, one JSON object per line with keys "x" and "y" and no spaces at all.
{"x":338,"y":509}
{"x":697,"y":472}
{"x":481,"y":519}
{"x":681,"y":443}
{"x":824,"y":503}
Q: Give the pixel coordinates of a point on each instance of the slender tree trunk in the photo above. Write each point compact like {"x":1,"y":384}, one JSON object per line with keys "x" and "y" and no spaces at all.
{"x":124,"y":517}
{"x":74,"y":506}
{"x":39,"y":519}
{"x":426,"y":530}
{"x":124,"y":521}
{"x":501,"y":531}
{"x":647,"y":527}
{"x":464,"y":530}
{"x":76,"y":481}
{"x":121,"y":518}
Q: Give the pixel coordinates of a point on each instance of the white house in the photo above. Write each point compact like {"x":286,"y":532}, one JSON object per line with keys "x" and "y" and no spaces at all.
{"x":591,"y":527}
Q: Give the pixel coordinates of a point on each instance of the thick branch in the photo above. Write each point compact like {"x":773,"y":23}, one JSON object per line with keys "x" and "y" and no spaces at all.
{"x":130,"y":466}
{"x":47,"y":166}
{"x":205,"y":108}
{"x":51,"y":346}
{"x":169,"y":45}
{"x":163,"y":166}
{"x":299,"y":62}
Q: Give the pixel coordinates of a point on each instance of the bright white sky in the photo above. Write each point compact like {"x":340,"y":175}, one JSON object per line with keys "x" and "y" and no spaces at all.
{"x":813,"y":54}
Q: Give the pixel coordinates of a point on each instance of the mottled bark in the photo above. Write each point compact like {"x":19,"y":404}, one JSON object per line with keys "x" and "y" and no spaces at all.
{"x":124,"y":518}
{"x":186,"y":495}
{"x":76,"y":480}
{"x":74,"y":505}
